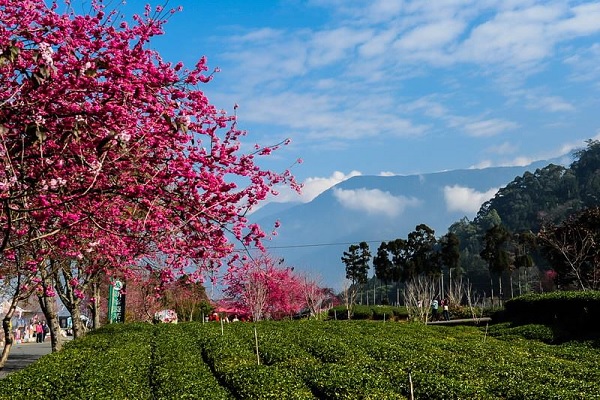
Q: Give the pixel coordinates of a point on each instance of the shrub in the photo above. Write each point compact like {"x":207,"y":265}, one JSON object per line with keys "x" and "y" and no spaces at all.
{"x":338,"y":312}
{"x":570,"y":314}
{"x":362,"y":312}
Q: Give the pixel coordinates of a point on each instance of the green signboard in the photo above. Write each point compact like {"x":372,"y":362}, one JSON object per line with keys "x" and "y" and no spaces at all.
{"x":116,"y":302}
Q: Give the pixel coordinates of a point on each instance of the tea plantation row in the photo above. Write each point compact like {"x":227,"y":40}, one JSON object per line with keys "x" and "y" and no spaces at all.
{"x":308,"y":360}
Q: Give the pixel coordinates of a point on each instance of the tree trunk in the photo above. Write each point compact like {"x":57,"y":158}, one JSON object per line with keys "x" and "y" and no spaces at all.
{"x":48,"y":305}
{"x":8,"y":336}
{"x":500,"y":293}
{"x":510,"y":277}
{"x":95,"y":305}
{"x":78,"y":328}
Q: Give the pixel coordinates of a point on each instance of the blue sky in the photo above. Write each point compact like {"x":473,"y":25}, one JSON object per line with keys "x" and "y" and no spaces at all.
{"x":397,"y":87}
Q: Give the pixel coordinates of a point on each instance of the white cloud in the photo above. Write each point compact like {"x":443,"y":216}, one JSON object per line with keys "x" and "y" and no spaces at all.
{"x":428,"y":105}
{"x":585,"y":20}
{"x":312,"y":187}
{"x":374,"y":201}
{"x":378,"y":44}
{"x":482,"y":164}
{"x":490,"y":127}
{"x":431,"y":36}
{"x":513,"y":37}
{"x":260,"y":35}
{"x":538,"y":98}
{"x":585,"y":64}
{"x":332,"y":45}
{"x":315,"y":186}
{"x":554,"y":104}
{"x":381,"y":10}
{"x":321,"y":116}
{"x":465,"y":199}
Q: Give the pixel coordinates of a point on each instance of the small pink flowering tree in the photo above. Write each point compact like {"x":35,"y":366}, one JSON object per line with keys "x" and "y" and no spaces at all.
{"x":264,"y":289}
{"x":113,"y":157}
{"x":316,"y":297}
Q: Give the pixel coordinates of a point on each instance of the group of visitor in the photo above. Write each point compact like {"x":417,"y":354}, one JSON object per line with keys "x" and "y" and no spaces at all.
{"x":33,"y":330}
{"x":216,"y":317}
{"x":435,"y":305}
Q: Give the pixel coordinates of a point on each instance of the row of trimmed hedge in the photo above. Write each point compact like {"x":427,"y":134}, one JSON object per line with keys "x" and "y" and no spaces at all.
{"x":570,"y":315}
{"x":307,"y":360}
{"x":374,"y":312}
{"x":110,"y":364}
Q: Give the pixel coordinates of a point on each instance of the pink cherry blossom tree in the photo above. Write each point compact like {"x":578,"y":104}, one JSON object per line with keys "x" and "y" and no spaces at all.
{"x":262,"y":288}
{"x":316,"y":297}
{"x":113,"y":157}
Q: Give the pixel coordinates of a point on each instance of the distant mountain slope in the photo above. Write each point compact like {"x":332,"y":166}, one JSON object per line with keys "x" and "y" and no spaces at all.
{"x":314,"y":235}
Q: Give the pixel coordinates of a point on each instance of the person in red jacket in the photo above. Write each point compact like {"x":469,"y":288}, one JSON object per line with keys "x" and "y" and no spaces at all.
{"x":39,"y":332}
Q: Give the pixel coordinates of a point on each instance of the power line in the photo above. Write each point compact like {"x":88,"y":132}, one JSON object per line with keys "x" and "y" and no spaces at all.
{"x":319,"y":244}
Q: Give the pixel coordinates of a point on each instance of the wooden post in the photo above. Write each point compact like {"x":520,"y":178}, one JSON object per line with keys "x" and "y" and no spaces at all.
{"x":410,"y":384}
{"x":256,"y":342}
{"x":486,"y":329}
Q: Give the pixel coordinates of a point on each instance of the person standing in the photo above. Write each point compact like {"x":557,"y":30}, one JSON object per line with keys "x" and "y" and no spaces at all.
{"x":434,"y":309}
{"x":45,"y":330}
{"x":39,"y":332}
{"x":446,"y":309}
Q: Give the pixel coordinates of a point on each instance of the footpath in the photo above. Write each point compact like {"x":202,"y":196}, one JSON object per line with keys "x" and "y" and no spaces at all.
{"x":466,"y":321}
{"x":23,"y":354}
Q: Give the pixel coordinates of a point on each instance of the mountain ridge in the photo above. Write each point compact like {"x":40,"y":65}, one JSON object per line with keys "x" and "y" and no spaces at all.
{"x":313,"y":236}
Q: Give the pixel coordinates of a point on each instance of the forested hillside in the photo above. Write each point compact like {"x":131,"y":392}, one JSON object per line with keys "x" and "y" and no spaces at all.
{"x":549,"y":194}
{"x":518,"y":220}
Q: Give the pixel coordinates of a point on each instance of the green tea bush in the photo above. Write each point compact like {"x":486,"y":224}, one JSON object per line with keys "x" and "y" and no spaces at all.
{"x":531,"y":331}
{"x":179,"y":370}
{"x":312,"y":359}
{"x":385,"y":312}
{"x":104,"y":366}
{"x":337,"y":381}
{"x":266,"y":382}
{"x":362,"y":312}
